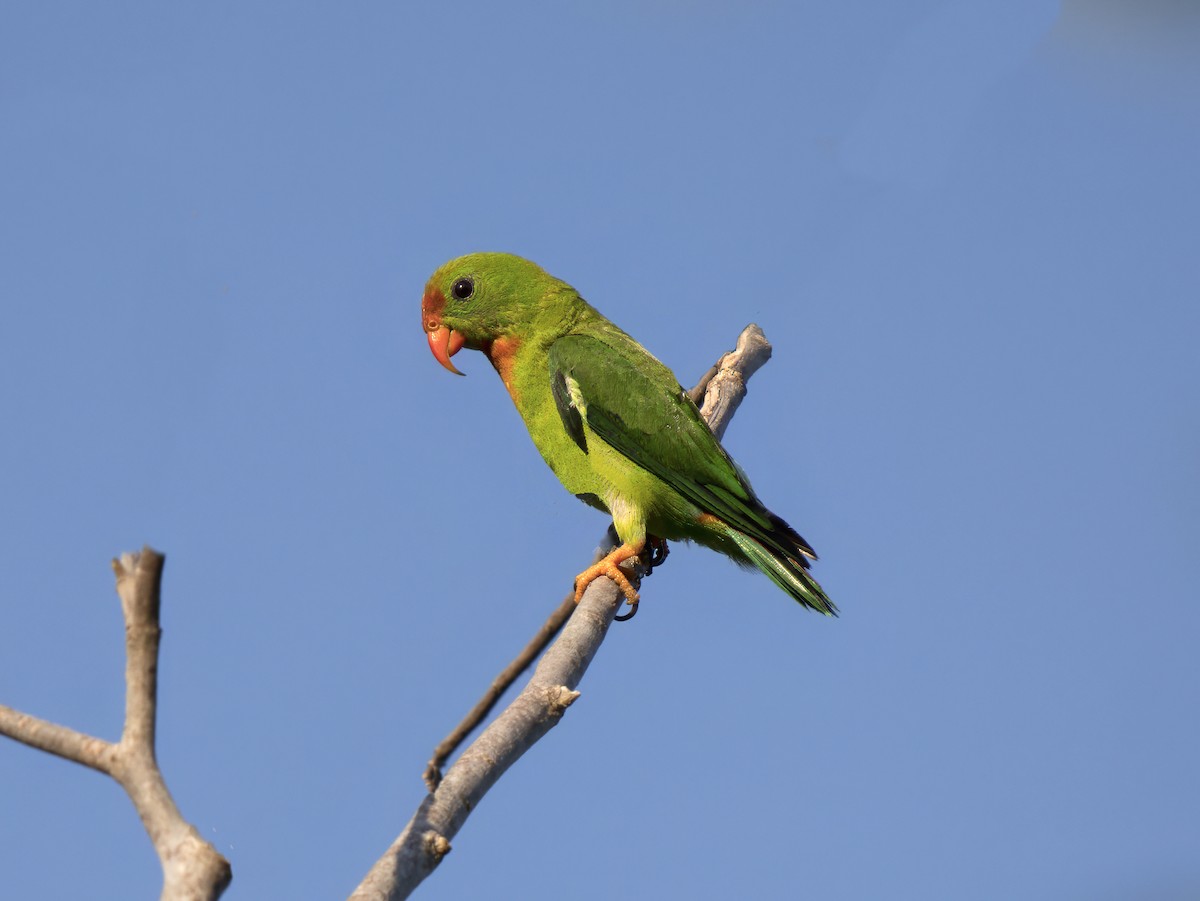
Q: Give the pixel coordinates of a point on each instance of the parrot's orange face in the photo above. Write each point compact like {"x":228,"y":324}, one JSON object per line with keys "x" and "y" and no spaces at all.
{"x":493,"y":303}
{"x":444,"y":341}
{"x":477,"y":300}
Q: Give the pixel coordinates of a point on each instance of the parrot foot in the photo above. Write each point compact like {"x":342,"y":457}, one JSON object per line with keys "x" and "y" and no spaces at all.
{"x":610,"y":566}
{"x":653,"y":555}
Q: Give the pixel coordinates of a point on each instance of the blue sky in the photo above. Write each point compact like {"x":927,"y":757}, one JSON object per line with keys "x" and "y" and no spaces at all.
{"x":970,"y":232}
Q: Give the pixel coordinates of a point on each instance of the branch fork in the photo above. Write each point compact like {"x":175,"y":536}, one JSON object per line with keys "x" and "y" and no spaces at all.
{"x":193,"y":870}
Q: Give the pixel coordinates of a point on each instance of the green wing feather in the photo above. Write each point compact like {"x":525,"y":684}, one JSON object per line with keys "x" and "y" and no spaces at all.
{"x":635,"y":405}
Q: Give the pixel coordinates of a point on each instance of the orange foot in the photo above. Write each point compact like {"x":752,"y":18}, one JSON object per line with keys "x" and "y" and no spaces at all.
{"x":610,"y":566}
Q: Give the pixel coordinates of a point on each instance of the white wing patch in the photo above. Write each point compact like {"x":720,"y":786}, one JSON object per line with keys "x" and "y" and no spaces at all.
{"x":576,"y":396}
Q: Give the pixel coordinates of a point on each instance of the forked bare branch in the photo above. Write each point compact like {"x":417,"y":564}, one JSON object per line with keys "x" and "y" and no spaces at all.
{"x":193,"y":870}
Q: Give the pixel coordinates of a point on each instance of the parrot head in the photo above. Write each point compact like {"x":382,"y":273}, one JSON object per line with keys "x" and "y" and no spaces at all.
{"x":476,"y":299}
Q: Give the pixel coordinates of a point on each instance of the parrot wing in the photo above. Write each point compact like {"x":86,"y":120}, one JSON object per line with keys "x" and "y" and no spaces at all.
{"x":633,"y":403}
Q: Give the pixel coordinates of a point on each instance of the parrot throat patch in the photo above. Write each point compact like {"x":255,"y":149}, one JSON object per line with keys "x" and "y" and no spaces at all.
{"x":502,"y":352}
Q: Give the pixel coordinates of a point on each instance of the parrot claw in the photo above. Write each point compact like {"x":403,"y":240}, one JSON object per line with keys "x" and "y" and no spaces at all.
{"x":626,"y":617}
{"x":658,"y":553}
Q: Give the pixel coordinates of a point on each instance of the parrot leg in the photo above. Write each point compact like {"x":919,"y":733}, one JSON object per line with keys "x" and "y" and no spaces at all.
{"x":610,"y":566}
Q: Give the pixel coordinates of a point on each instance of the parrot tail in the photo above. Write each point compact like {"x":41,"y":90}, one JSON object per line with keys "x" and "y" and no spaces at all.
{"x":789,"y":573}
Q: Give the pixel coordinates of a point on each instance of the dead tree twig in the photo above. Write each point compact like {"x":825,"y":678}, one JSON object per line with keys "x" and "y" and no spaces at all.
{"x":193,"y":870}
{"x":501,"y":684}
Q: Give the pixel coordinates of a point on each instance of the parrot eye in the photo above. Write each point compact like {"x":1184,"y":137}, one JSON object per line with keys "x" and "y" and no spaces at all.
{"x":463,"y":288}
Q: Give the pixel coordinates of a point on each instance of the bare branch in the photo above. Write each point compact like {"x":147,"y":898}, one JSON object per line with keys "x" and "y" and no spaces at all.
{"x":723,"y":392}
{"x":139,"y":585}
{"x":539,"y":706}
{"x":193,"y":870}
{"x":501,"y":684}
{"x":55,"y":739}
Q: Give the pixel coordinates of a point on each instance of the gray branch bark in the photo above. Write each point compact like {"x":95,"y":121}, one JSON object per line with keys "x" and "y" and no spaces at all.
{"x":193,"y":870}
{"x":425,"y":841}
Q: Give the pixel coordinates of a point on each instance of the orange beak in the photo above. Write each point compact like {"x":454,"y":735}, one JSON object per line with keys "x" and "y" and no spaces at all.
{"x":445,"y":343}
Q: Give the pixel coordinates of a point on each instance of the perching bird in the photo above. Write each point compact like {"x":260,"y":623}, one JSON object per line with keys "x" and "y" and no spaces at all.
{"x":612,"y":421}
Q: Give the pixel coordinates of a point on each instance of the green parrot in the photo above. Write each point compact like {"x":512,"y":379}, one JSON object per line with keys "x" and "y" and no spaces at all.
{"x":612,"y":422}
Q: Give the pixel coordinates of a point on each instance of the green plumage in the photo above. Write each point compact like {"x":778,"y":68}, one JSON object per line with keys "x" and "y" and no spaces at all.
{"x":611,"y":420}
